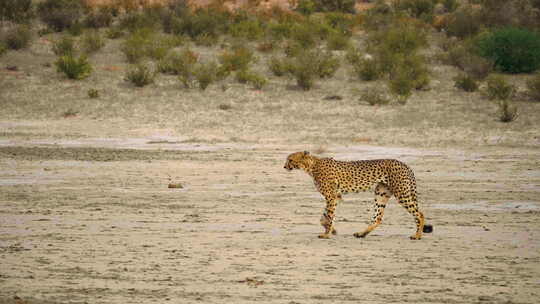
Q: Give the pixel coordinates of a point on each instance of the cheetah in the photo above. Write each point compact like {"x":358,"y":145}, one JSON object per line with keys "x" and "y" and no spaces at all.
{"x":334,"y":178}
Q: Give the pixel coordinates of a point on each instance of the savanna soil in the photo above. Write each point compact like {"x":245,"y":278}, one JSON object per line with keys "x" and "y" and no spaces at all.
{"x":83,"y":222}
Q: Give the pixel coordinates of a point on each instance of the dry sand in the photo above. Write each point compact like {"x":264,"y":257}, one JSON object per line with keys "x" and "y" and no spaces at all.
{"x":86,"y":222}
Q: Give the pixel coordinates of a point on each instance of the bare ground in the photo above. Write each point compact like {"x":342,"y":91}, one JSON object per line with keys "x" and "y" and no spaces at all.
{"x":94,"y":224}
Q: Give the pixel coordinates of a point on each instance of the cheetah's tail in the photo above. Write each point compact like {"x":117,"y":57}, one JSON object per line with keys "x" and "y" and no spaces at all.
{"x":427,"y":228}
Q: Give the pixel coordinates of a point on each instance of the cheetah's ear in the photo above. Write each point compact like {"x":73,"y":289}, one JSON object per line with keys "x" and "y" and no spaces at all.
{"x":306,"y":152}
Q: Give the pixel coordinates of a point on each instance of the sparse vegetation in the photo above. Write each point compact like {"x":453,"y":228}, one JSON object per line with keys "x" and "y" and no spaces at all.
{"x":374,"y":96}
{"x":466,"y":83}
{"x":206,"y":74}
{"x":18,"y":37}
{"x":72,"y":67}
{"x":246,"y":76}
{"x":178,"y":63}
{"x":18,"y":11}
{"x":507,"y":111}
{"x":92,"y":41}
{"x":60,"y":14}
{"x":93,"y":93}
{"x":279,"y":66}
{"x":498,"y":88}
{"x":65,"y":45}
{"x":140,"y":75}
{"x":238,"y":58}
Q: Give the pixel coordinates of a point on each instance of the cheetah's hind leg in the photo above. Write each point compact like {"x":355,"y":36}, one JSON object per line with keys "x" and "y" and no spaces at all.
{"x":382,"y":195}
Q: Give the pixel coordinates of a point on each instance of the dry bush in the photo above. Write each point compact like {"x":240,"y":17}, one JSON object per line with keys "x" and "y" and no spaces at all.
{"x":533,"y":87}
{"x":60,"y":14}
{"x":238,"y":58}
{"x":92,"y":41}
{"x":498,"y":88}
{"x":374,"y":96}
{"x":140,"y":75}
{"x":256,"y":80}
{"x":466,"y":83}
{"x":18,"y":37}
{"x":178,"y":63}
{"x":206,"y":74}
{"x":507,"y":111}
{"x":463,"y":23}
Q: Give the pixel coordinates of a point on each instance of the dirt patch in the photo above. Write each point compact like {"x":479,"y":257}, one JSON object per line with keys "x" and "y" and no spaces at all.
{"x":99,"y":224}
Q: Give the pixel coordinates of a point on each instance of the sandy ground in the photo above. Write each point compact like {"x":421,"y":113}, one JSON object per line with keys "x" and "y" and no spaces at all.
{"x":92,"y":221}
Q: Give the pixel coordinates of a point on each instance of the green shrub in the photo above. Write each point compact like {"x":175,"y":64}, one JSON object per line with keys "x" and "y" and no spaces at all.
{"x":206,"y":74}
{"x":507,"y":112}
{"x":98,"y":18}
{"x":136,"y":20}
{"x":512,"y":50}
{"x":209,"y":22}
{"x":76,"y":29}
{"x":463,"y":23}
{"x":279,"y":66}
{"x":367,"y":69}
{"x":18,"y":11}
{"x":279,"y":30}
{"x":305,"y":34}
{"x":206,"y":40}
{"x":304,"y":71}
{"x":378,"y":17}
{"x":140,"y":75}
{"x":337,"y":41}
{"x":245,"y":76}
{"x":159,"y":46}
{"x":374,"y":96}
{"x":93,"y":93}
{"x":533,"y":87}
{"x":92,"y":41}
{"x":3,"y":48}
{"x":114,"y":32}
{"x":450,"y":5}
{"x":415,"y":8}
{"x":238,"y":58}
{"x":312,"y":63}
{"x":146,"y":43}
{"x":498,"y":88}
{"x":178,"y":63}
{"x":18,"y":37}
{"x":326,"y":63}
{"x":64,"y":46}
{"x":403,"y":37}
{"x":59,"y":14}
{"x":342,"y":23}
{"x":402,"y":83}
{"x":134,"y":47}
{"x":250,"y":29}
{"x":363,"y":66}
{"x":311,"y":6}
{"x":466,"y":83}
{"x":74,"y":68}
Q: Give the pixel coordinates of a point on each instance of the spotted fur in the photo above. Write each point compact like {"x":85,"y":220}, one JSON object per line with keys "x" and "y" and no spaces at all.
{"x":334,"y":178}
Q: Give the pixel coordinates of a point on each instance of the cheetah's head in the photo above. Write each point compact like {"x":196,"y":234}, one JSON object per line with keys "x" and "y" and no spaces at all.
{"x":298,"y":160}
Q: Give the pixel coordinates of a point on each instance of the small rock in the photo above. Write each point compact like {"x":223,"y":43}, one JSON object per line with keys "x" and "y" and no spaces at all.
{"x":176,"y":185}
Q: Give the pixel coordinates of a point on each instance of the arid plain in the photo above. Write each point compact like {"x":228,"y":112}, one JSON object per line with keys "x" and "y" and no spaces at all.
{"x":87,"y":215}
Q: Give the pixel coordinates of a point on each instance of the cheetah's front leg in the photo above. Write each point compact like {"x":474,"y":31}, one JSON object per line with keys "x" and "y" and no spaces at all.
{"x":327,"y":219}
